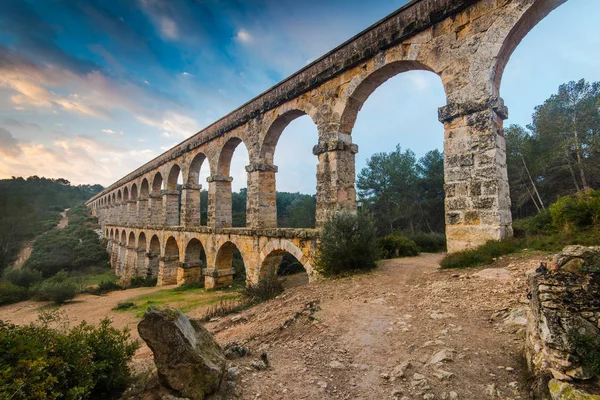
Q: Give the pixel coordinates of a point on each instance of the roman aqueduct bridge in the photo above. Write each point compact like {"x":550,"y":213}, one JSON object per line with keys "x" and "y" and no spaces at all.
{"x":153,"y":225}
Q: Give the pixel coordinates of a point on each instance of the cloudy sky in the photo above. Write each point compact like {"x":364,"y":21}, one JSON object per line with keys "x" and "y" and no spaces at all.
{"x":90,"y":90}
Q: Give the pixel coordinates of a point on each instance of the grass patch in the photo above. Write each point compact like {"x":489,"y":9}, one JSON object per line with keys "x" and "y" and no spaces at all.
{"x":124,"y":306}
{"x":491,"y":250}
{"x":97,"y":279}
{"x":184,"y":298}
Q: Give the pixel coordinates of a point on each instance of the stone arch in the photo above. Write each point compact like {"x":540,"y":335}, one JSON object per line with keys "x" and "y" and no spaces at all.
{"x":141,"y":242}
{"x":153,"y":257}
{"x":194,"y":252}
{"x":123,"y":237}
{"x":117,"y":236}
{"x":106,"y":233}
{"x":172,"y":177}
{"x":224,"y":268}
{"x":226,"y":154}
{"x":169,"y":263}
{"x":112,"y":233}
{"x":534,"y":14}
{"x":157,"y":183}
{"x":125,"y":193}
{"x":134,"y":192}
{"x":113,"y":198}
{"x":195,"y":167}
{"x":144,"y":188}
{"x":119,"y":197}
{"x":269,"y":143}
{"x":270,"y":257}
{"x":363,"y":85}
{"x":131,"y":241}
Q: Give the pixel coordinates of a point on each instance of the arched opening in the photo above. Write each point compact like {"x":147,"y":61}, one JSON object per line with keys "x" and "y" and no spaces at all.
{"x":125,"y":193}
{"x":194,"y":262}
{"x":122,"y":257}
{"x":155,"y":201}
{"x":285,"y":266}
{"x":141,"y":260}
{"x":153,"y":257}
{"x":131,"y":242}
{"x":295,"y":180}
{"x":112,"y":234}
{"x":119,"y":197}
{"x":230,"y":185}
{"x":229,"y":266}
{"x":144,"y":188}
{"x":400,"y":166}
{"x":195,"y":197}
{"x":552,"y":126}
{"x":134,"y":192}
{"x":141,"y":244}
{"x":172,"y":197}
{"x":169,"y":263}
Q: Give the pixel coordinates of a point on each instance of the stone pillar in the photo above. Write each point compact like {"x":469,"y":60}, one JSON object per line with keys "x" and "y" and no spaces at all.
{"x":335,"y":176}
{"x":114,"y":257}
{"x":167,"y":270}
{"x":219,"y":201}
{"x":130,"y":264}
{"x":189,"y":272}
{"x":261,"y":205}
{"x":170,"y":207}
{"x":190,"y":205}
{"x":142,"y":212}
{"x":218,"y":278}
{"x":141,"y":262}
{"x":153,"y":265}
{"x":155,"y":206}
{"x":131,"y":211}
{"x":122,"y":259}
{"x":476,"y":183}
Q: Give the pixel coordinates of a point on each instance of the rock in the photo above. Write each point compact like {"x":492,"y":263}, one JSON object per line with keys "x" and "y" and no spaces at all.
{"x":566,"y":391}
{"x":234,"y":350}
{"x":572,"y":258}
{"x":336,"y":365}
{"x":187,"y":357}
{"x":494,"y":273}
{"x":399,"y":370}
{"x":418,"y":377}
{"x":259,"y":365}
{"x":491,"y":390}
{"x":429,"y":396}
{"x":517,"y":317}
{"x":453,"y":395}
{"x":441,"y":374}
{"x":232,"y":373}
{"x":441,"y":356}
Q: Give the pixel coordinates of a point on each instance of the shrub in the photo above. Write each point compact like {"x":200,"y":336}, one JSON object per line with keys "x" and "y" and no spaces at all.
{"x":124,"y":306}
{"x":37,"y":362}
{"x":395,"y":245}
{"x":429,"y":242}
{"x":576,"y":212}
{"x":22,"y":277}
{"x":58,"y":289}
{"x":223,"y":307}
{"x":142,"y":281}
{"x":11,"y":293}
{"x":348,"y":243}
{"x":266,"y":289}
{"x":541,"y":223}
{"x":105,"y":287}
{"x":482,"y":255}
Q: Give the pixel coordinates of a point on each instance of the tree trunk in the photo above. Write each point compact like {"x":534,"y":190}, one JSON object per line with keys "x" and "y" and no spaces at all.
{"x":533,"y":184}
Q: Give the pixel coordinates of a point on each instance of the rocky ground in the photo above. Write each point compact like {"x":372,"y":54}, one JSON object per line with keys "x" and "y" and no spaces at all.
{"x":405,"y":331}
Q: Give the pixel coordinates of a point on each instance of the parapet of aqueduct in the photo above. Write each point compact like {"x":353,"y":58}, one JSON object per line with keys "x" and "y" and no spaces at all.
{"x":467,"y":43}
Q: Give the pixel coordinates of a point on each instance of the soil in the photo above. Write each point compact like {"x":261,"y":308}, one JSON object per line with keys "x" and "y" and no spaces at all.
{"x":343,"y":338}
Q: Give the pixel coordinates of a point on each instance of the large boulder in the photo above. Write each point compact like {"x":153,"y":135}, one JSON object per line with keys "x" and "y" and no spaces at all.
{"x":188,"y":359}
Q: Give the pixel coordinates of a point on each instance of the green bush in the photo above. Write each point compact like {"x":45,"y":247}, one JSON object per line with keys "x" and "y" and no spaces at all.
{"x":482,"y":255}
{"x":395,"y":245}
{"x":58,"y":289}
{"x":22,"y":277}
{"x":429,"y":242}
{"x":142,"y":281}
{"x":124,"y":305}
{"x":37,"y":362}
{"x":105,"y":287}
{"x":11,"y":293}
{"x":348,"y":243}
{"x":579,"y":211}
{"x":541,"y":223}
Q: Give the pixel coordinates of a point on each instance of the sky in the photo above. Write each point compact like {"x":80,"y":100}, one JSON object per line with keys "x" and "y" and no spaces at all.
{"x":90,"y":90}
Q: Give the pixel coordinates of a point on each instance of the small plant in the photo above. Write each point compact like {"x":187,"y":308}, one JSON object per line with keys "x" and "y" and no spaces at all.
{"x":587,"y":349}
{"x":266,"y":289}
{"x":576,"y":212}
{"x":223,"y":307}
{"x":397,"y":245}
{"x":348,"y":243}
{"x":58,"y":289}
{"x":124,"y":305}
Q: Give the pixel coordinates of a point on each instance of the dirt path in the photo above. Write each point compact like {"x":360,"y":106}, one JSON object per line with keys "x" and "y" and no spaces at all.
{"x":27,"y":246}
{"x":368,"y":325}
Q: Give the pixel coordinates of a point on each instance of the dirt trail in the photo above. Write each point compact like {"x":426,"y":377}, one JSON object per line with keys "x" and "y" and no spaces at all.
{"x":407,"y":310}
{"x":27,"y":246}
{"x":365,"y":326}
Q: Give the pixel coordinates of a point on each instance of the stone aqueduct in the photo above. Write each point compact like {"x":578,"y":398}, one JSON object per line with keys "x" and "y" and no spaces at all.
{"x":153,"y":225}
